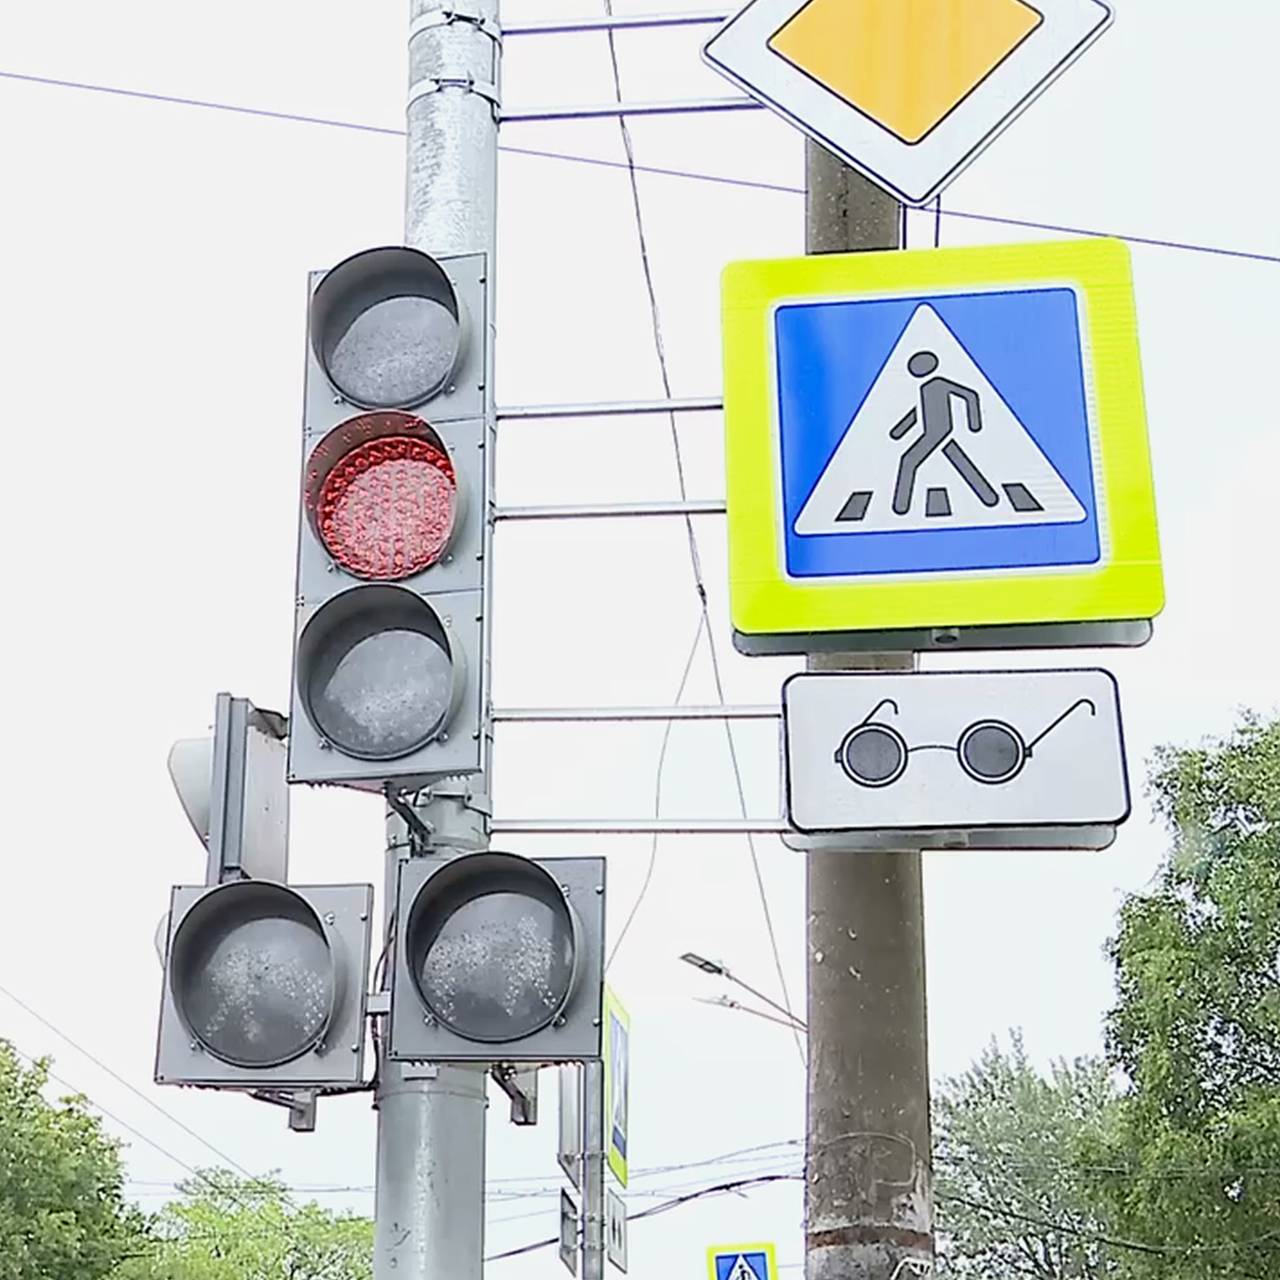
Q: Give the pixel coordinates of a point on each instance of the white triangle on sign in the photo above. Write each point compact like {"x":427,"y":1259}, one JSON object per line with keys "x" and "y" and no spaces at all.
{"x":743,"y":1270}
{"x":917,"y":456}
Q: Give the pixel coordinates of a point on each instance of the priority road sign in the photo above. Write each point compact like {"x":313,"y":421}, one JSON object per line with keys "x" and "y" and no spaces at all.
{"x":907,"y":91}
{"x":1035,"y":756}
{"x":742,"y":1262}
{"x":943,"y":447}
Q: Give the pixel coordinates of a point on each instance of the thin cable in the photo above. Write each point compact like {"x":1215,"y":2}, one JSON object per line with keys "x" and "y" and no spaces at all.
{"x":657,"y":792}
{"x":119,"y":1079}
{"x":1268,"y":1238}
{"x":695,"y":559}
{"x":692,"y":175}
{"x":212,"y":1183}
{"x":204,"y":103}
{"x":937,"y":224}
{"x":724,"y":1188}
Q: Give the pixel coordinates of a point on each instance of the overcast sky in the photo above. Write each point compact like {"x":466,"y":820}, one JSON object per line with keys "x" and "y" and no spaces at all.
{"x":153,"y":269}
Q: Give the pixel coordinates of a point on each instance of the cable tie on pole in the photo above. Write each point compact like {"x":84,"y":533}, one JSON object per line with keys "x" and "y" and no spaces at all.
{"x":484,"y":88}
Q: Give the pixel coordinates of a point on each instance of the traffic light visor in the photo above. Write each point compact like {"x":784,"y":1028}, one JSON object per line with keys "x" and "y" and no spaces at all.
{"x":386,"y":327}
{"x":493,"y":947}
{"x":252,"y":974}
{"x":377,"y":673}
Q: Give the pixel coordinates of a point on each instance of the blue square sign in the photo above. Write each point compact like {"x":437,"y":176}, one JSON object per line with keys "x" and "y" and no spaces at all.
{"x":749,"y":1262}
{"x":936,"y":433}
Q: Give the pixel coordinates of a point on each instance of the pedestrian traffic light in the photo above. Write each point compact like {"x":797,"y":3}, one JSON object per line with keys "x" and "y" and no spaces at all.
{"x":388,"y":678}
{"x":265,"y":985}
{"x":498,"y":958}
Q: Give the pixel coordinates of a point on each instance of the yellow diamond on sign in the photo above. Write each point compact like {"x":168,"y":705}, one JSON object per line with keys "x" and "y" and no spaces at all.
{"x":907,"y":64}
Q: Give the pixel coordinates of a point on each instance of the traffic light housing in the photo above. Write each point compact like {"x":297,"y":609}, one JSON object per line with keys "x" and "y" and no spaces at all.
{"x":265,"y":985}
{"x":388,"y":675}
{"x":498,"y":958}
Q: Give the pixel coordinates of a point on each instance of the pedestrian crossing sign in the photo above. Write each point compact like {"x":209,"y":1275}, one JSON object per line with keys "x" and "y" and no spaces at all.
{"x":742,"y":1262}
{"x":938,"y":447}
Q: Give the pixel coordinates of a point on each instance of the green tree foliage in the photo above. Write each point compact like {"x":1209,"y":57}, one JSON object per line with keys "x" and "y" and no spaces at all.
{"x":62,"y":1213}
{"x":1012,"y":1199}
{"x":226,"y":1228}
{"x":1196,"y":1147}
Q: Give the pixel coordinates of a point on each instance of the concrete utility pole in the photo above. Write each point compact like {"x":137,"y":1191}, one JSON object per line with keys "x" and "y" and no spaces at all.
{"x":868,"y":1195}
{"x":429,"y":1211}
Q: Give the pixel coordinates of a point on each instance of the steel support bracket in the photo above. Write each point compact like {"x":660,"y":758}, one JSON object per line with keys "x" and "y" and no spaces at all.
{"x":300,"y":1103}
{"x":520,"y":1084}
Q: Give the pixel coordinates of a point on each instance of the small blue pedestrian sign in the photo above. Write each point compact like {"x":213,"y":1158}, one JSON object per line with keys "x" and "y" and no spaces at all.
{"x":742,"y":1262}
{"x":952,"y":433}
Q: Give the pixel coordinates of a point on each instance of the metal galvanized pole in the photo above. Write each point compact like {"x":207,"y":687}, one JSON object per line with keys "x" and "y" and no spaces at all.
{"x":593,"y":1176}
{"x":429,"y":1208}
{"x":868,"y":1198}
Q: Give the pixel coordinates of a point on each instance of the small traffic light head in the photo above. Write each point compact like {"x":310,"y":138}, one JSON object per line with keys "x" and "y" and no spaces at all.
{"x":387,"y":328}
{"x":265,"y":985}
{"x":498,"y":957}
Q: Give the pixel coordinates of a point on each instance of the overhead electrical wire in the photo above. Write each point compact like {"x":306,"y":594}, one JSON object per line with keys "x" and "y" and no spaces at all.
{"x":692,"y":175}
{"x":657,"y":794}
{"x":119,"y":1079}
{"x":695,"y":559}
{"x":198,"y":1174}
{"x":723,"y":1188}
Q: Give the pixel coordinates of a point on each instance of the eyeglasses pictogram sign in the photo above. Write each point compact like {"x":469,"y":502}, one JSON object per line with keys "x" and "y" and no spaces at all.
{"x":875,"y":754}
{"x":1034,"y":755}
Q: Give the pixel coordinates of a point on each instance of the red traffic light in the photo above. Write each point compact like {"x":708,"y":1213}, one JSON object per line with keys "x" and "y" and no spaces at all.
{"x":382,"y":495}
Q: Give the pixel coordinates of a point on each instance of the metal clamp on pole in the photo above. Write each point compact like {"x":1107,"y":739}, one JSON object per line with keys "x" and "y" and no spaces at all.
{"x":452,"y":13}
{"x":485,"y":88}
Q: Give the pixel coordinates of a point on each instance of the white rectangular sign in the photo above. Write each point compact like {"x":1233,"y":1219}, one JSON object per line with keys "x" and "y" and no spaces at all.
{"x":615,"y":1217}
{"x":1022,"y":755}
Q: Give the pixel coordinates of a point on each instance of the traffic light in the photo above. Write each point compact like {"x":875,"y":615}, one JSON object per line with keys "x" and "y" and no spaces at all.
{"x":498,"y":958}
{"x":265,"y":985}
{"x":388,"y":678}
{"x":232,"y":787}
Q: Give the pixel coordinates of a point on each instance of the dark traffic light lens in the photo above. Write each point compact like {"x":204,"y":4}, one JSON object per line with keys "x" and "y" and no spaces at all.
{"x":992,"y":751}
{"x":376,"y":672}
{"x":492,"y":947}
{"x":398,"y":352}
{"x":385,"y":326}
{"x":253,"y":975}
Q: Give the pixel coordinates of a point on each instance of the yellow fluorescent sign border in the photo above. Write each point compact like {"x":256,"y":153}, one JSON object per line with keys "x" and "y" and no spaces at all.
{"x":614,"y":1012}
{"x":721,"y":1250}
{"x":1126,"y":584}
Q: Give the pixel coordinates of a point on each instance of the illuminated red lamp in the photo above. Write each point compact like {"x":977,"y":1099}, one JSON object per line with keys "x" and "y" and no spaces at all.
{"x":382,"y":496}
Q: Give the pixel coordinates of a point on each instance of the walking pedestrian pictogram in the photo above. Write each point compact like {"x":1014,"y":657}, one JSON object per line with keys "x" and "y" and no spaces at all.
{"x":958,"y":457}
